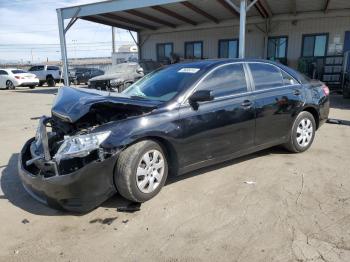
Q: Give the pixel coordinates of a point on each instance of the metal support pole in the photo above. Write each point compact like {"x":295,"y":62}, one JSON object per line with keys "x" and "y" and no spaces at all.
{"x":113,"y":39}
{"x":242,"y":24}
{"x":63,"y":46}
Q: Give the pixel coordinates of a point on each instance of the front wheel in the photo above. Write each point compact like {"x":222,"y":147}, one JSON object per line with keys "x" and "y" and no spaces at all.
{"x":141,"y":171}
{"x":31,"y":87}
{"x":302,"y":134}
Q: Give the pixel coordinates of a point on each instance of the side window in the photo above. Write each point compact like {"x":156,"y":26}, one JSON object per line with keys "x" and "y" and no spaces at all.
{"x":39,"y":68}
{"x":33,"y":68}
{"x":226,"y":80}
{"x":288,"y":79}
{"x":265,"y":76}
{"x":3,"y":72}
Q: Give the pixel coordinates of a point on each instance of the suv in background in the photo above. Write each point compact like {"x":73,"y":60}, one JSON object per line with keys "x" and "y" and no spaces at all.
{"x":46,"y":74}
{"x":82,"y":75}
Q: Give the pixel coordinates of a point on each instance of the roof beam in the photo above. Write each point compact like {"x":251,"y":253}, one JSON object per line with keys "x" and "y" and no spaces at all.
{"x":260,"y":10}
{"x":228,"y":7}
{"x":294,"y":7}
{"x":263,"y":4}
{"x":200,"y":11}
{"x":173,"y":14}
{"x":150,"y":18}
{"x":111,"y":6}
{"x":129,"y":21}
{"x":98,"y":19}
{"x":326,"y":5}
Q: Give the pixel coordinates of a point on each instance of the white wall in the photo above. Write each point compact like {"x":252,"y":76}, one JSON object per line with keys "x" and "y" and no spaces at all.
{"x":334,"y":24}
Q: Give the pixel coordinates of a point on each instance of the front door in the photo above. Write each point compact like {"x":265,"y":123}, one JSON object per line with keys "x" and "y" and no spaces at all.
{"x":220,"y":127}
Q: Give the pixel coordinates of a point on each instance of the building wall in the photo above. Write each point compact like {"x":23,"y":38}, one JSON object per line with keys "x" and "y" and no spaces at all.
{"x":210,"y":35}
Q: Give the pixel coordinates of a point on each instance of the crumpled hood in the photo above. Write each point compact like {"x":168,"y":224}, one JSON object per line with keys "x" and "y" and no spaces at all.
{"x":73,"y":103}
{"x":121,"y":76}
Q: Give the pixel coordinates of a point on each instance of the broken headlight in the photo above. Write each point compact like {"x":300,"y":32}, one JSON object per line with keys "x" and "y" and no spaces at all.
{"x":80,"y":146}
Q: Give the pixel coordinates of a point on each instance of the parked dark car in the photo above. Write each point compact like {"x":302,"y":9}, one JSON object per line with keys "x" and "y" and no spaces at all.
{"x":121,"y":76}
{"x":83,"y":75}
{"x":174,"y":120}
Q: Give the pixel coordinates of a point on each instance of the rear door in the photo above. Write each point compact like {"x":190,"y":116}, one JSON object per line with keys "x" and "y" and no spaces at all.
{"x":220,"y":127}
{"x":277,"y":98}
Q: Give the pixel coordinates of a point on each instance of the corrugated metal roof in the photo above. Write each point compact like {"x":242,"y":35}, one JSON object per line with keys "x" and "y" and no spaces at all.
{"x":174,"y":13}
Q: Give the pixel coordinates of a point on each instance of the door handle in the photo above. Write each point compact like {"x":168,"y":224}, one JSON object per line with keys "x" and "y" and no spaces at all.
{"x":246,"y":104}
{"x":297,"y":92}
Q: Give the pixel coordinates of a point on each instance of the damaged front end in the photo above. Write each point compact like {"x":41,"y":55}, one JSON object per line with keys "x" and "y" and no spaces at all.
{"x":72,"y":172}
{"x":70,"y":162}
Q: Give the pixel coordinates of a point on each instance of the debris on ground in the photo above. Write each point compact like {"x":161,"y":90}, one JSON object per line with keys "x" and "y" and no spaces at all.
{"x":125,"y":221}
{"x":250,"y":182}
{"x":106,"y":221}
{"x":25,"y":221}
{"x":132,"y":207}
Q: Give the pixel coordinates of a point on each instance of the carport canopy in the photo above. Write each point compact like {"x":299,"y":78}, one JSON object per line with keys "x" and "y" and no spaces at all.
{"x":139,"y":15}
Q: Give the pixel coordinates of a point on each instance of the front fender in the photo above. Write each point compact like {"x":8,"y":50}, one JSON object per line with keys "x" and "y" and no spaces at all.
{"x":163,"y":125}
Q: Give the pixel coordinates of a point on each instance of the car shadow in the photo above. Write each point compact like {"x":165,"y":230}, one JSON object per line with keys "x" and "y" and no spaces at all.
{"x":40,"y":90}
{"x":15,"y":193}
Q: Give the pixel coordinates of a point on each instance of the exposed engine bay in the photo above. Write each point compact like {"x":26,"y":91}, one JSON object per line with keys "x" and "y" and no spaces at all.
{"x":62,"y":147}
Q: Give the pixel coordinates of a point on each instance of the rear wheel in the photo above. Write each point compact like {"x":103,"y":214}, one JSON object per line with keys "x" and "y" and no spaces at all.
{"x":10,"y":85}
{"x":50,"y":81}
{"x":31,"y":87}
{"x":302,"y":134}
{"x":141,"y":171}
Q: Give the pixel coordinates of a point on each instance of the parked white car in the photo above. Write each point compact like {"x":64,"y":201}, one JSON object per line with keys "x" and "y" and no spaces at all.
{"x":47,"y":74}
{"x":10,"y":78}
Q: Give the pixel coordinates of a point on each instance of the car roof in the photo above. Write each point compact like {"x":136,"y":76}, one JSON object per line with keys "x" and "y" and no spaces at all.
{"x":211,"y":63}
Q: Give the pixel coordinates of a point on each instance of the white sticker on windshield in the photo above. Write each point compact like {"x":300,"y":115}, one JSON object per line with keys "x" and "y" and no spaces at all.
{"x":189,"y":70}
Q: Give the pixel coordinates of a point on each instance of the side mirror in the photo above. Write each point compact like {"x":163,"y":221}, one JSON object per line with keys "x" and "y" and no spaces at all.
{"x":201,"y":96}
{"x":139,"y":70}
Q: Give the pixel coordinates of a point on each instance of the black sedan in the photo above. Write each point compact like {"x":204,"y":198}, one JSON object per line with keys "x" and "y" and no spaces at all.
{"x":174,"y":120}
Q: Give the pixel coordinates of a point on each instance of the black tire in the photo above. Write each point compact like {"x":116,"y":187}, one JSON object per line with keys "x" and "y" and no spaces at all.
{"x":125,"y":172}
{"x":50,"y":81}
{"x":293,"y":145}
{"x":10,"y":85}
{"x":31,"y":87}
{"x":41,"y":83}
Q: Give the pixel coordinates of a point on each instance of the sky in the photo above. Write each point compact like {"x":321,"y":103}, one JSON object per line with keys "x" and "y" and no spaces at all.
{"x":29,"y":32}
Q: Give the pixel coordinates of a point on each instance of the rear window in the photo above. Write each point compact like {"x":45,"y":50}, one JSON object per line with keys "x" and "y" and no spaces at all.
{"x":53,"y":68}
{"x":18,"y":71}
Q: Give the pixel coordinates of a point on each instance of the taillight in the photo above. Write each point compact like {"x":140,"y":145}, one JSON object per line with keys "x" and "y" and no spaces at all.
{"x":325,"y":90}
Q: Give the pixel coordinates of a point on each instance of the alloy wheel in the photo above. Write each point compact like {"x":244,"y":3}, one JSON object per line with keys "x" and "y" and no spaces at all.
{"x":304,"y":132}
{"x":150,"y":171}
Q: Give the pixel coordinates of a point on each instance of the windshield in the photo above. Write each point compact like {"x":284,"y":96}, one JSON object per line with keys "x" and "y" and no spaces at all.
{"x":18,"y":71}
{"x":165,"y":83}
{"x":122,"y":68}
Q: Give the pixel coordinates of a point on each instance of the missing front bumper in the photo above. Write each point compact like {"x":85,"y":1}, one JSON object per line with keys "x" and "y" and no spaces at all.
{"x":79,"y":191}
